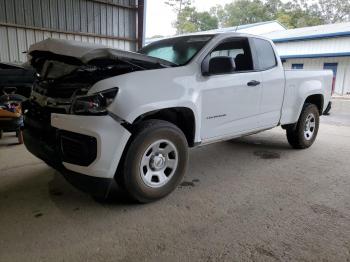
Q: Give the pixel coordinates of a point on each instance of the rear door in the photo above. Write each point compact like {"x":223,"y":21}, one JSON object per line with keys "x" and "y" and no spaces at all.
{"x":273,"y":82}
{"x":230,"y":102}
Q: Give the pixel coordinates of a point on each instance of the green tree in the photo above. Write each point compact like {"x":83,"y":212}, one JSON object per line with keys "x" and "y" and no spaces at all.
{"x":178,"y":7}
{"x":291,"y":14}
{"x":333,"y":11}
{"x":242,"y":12}
{"x":205,"y":21}
{"x":189,"y":20}
{"x":298,"y":14}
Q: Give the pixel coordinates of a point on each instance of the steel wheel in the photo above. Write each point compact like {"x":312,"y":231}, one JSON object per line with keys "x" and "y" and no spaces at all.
{"x":310,"y":125}
{"x":156,"y":160}
{"x":303,"y":134}
{"x":159,"y":163}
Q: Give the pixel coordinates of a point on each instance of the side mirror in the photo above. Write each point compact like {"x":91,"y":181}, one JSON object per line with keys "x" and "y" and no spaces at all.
{"x":218,"y":65}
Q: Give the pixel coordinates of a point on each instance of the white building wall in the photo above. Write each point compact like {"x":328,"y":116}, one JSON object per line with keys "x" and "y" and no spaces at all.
{"x":342,"y":84}
{"x":311,"y":47}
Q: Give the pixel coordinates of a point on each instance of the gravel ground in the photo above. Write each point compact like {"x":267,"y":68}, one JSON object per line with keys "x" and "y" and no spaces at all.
{"x":251,"y":199}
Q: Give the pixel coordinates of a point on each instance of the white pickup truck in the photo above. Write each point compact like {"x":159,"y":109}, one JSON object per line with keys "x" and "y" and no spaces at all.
{"x":100,"y":115}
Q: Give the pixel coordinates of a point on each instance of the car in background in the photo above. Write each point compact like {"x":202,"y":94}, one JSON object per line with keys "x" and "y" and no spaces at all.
{"x":11,"y":118}
{"x":15,"y":78}
{"x":16,"y":83}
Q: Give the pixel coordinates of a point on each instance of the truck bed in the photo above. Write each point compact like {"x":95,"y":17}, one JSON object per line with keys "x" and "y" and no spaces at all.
{"x":304,"y":83}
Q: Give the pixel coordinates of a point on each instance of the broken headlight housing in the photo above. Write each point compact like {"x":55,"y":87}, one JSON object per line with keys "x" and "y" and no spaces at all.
{"x":95,"y":104}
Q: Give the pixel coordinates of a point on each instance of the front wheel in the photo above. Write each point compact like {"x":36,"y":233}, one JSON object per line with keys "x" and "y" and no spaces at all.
{"x":303,"y":134}
{"x":155,"y":161}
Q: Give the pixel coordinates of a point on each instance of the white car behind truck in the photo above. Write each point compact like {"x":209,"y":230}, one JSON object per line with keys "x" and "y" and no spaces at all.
{"x":100,"y":115}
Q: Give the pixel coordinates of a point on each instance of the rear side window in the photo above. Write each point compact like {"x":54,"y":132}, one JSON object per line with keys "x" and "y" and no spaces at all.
{"x":266,"y":54}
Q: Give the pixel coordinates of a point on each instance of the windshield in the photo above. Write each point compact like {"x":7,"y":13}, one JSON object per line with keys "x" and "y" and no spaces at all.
{"x":179,"y":50}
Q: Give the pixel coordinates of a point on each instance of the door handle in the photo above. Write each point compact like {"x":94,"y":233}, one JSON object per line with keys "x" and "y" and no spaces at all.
{"x":253,"y":83}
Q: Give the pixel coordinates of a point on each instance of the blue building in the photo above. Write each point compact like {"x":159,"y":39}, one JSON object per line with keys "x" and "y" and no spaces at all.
{"x":317,"y":47}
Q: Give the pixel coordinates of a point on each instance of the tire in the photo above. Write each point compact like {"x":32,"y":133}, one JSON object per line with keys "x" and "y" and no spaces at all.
{"x":1,"y":133}
{"x":303,"y":134}
{"x":155,"y":161}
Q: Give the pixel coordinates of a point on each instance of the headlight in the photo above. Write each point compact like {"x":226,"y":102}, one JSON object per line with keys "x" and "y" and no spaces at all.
{"x":95,"y":104}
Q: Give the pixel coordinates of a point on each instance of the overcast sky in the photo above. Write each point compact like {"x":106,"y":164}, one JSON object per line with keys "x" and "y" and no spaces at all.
{"x":159,"y":16}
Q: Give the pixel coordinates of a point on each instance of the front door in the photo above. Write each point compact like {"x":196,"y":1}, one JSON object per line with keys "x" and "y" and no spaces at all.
{"x":231,"y":102}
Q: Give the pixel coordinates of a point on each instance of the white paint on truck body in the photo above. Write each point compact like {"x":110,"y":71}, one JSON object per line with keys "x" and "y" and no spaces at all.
{"x":223,"y":105}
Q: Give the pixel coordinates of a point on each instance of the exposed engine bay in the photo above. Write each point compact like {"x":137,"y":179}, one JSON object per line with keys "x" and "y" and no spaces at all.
{"x":65,"y":72}
{"x":59,"y":82}
{"x":67,"y":69}
{"x":61,"y":78}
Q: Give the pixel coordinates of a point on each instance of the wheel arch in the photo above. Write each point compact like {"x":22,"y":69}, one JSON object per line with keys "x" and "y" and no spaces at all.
{"x":317,"y":100}
{"x":183,"y":117}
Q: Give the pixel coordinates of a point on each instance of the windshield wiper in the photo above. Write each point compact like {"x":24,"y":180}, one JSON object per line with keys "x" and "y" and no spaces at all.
{"x":132,"y":64}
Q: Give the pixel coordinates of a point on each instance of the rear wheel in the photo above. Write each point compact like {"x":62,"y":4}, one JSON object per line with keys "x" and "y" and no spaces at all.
{"x":303,"y":134}
{"x":155,"y":161}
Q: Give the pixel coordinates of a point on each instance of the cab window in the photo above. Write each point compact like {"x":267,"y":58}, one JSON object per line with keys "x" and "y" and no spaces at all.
{"x":265,"y":53}
{"x":239,"y":50}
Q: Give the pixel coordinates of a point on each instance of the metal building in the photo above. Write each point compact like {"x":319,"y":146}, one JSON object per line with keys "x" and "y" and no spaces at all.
{"x":318,"y":47}
{"x":116,"y":23}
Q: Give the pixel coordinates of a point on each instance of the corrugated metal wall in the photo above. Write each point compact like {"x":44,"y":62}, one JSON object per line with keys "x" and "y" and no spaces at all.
{"x":342,"y":84}
{"x":24,"y":22}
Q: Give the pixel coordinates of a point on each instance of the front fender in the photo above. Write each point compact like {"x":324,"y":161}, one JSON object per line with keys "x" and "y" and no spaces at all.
{"x":143,"y":92}
{"x":149,"y":108}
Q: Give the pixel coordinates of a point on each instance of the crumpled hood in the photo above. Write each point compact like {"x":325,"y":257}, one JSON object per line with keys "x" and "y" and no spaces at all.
{"x":87,"y":52}
{"x":67,"y":68}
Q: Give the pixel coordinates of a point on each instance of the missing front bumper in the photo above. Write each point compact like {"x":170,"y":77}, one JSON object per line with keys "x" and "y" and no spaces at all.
{"x":98,"y":187}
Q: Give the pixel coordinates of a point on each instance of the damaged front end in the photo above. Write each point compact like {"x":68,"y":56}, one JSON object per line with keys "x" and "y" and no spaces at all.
{"x":66,"y":71}
{"x":59,"y":85}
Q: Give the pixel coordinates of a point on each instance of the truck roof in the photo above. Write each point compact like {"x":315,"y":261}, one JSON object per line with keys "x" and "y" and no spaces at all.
{"x":216,"y":34}
{"x":223,"y":34}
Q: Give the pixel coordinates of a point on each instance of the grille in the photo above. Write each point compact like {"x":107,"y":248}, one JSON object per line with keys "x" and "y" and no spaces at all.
{"x":41,"y":114}
{"x":61,"y":90}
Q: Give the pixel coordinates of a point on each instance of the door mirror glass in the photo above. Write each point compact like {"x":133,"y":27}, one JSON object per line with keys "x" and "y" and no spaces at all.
{"x":218,"y":65}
